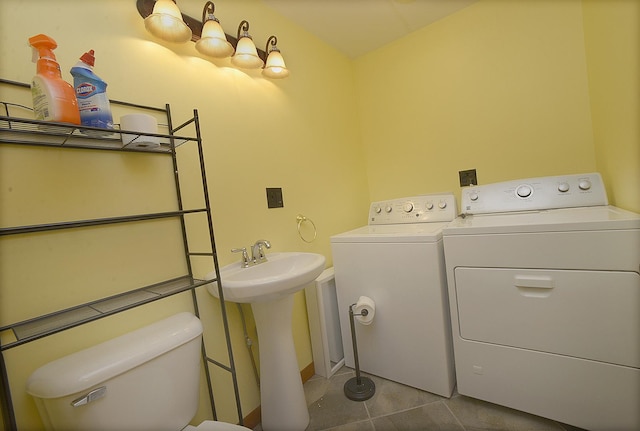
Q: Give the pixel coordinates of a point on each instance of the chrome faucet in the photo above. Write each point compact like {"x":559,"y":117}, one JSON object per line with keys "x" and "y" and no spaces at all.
{"x":257,"y":251}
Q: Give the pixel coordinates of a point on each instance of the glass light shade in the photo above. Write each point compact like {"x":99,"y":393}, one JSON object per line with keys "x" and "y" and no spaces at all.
{"x":246,"y":55}
{"x":275,"y":67}
{"x":166,"y":22}
{"x":213,"y":41}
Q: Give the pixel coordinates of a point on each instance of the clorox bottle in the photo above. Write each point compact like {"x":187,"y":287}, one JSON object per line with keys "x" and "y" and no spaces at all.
{"x":53,"y":98}
{"x":91,"y":92}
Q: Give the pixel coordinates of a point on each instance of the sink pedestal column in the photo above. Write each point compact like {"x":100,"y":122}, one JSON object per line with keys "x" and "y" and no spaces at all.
{"x":283,"y":404}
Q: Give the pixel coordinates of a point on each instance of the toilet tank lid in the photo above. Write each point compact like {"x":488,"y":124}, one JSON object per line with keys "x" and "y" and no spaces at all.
{"x":90,"y":367}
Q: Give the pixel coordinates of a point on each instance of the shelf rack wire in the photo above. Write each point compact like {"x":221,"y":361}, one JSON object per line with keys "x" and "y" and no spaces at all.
{"x":25,"y":131}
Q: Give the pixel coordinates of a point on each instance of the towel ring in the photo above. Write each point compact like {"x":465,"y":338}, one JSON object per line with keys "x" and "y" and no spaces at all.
{"x":300,"y":218}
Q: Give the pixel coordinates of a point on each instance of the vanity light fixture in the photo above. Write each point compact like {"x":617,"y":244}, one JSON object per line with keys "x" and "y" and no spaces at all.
{"x":165,"y":22}
{"x":213,"y":42}
{"x":163,"y":19}
{"x":246,"y":55}
{"x":275,"y":67}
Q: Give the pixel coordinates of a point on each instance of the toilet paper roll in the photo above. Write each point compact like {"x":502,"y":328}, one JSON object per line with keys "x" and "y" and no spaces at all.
{"x":142,"y":123}
{"x":365,"y":303}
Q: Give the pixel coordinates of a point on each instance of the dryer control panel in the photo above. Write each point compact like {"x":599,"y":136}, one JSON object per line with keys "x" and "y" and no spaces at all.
{"x":414,"y":209}
{"x":534,"y":194}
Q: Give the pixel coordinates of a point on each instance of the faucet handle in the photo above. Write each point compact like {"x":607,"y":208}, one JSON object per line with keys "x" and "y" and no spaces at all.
{"x":245,"y":256}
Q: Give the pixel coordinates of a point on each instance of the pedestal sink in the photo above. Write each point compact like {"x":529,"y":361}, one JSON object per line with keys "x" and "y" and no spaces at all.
{"x":269,"y":288}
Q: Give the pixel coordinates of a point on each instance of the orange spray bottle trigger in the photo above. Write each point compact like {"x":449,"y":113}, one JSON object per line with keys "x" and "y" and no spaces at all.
{"x":43,"y":47}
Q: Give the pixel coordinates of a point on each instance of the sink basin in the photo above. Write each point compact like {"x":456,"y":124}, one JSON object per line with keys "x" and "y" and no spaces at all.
{"x":280,"y":275}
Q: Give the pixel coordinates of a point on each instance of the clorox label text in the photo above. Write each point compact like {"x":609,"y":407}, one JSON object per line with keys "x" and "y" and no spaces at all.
{"x":85,"y":89}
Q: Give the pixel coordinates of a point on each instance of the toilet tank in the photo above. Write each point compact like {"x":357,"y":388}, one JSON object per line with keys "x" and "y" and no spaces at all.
{"x":147,"y":379}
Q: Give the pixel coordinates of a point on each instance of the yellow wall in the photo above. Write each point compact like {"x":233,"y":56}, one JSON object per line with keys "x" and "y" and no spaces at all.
{"x":499,"y":86}
{"x":513,"y":89}
{"x":612,"y":39}
{"x":300,"y":134}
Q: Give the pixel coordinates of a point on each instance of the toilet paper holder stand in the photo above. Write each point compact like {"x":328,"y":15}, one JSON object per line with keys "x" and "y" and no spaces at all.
{"x":358,"y":388}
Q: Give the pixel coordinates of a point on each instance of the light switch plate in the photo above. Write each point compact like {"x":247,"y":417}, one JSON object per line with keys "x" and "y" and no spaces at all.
{"x":274,"y":198}
{"x":468,"y":178}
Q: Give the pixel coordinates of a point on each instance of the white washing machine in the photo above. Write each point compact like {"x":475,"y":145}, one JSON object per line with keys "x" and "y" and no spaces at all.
{"x":544,"y":288}
{"x":398,"y":261}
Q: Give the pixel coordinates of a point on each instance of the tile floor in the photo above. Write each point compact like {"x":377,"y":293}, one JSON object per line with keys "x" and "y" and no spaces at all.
{"x":396,"y":407}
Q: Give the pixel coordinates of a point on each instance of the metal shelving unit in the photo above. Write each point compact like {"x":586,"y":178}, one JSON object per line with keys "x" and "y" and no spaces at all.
{"x":21,"y":131}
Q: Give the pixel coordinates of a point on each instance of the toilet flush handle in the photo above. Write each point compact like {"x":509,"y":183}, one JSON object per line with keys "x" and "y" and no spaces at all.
{"x":91,"y":396}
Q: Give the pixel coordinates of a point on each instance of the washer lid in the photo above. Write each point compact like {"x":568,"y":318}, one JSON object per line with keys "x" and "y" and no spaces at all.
{"x":556,"y":220}
{"x":417,"y":232}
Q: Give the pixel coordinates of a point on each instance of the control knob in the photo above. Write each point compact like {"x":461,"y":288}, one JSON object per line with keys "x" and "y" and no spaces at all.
{"x":473,"y":196}
{"x":429,"y":205}
{"x":442,"y":205}
{"x":388,"y":208}
{"x":563,"y":187}
{"x":584,"y":184}
{"x":407,"y":207}
{"x":524,"y":191}
{"x":377,"y":209}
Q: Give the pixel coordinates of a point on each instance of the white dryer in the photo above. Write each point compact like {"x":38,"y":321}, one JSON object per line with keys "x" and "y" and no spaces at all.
{"x":398,"y":261}
{"x":544,"y":288}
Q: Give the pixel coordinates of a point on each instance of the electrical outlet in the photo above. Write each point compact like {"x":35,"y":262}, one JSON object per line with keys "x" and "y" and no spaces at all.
{"x":468,"y":178}
{"x":274,"y":198}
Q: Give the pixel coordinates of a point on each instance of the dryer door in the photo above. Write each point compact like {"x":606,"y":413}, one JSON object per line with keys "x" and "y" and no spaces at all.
{"x":586,"y":314}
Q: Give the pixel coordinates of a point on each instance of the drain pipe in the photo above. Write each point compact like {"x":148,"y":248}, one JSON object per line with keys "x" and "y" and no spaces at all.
{"x":249,"y":343}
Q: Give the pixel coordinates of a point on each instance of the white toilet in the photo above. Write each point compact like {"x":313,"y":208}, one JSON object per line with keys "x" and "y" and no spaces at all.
{"x":144,"y":380}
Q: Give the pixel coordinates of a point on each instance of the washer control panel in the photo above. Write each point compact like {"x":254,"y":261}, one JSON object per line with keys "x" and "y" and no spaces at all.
{"x":414,"y":209}
{"x":532,"y":194}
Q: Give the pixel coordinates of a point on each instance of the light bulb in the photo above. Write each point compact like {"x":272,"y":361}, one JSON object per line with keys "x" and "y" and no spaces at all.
{"x":166,"y":23}
{"x":275,"y":67}
{"x":246,"y":55}
{"x":213,"y":41}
